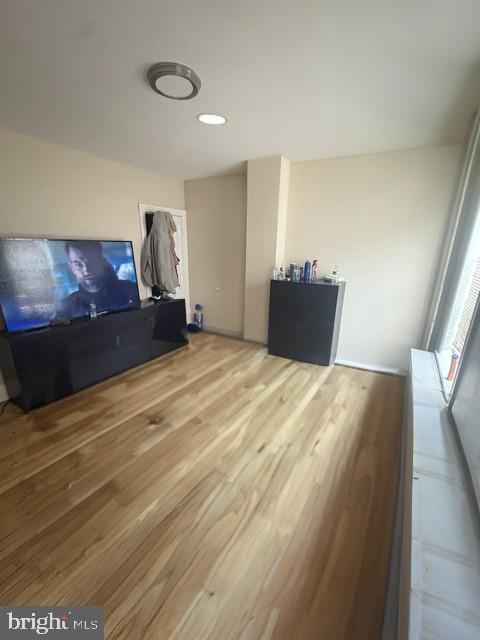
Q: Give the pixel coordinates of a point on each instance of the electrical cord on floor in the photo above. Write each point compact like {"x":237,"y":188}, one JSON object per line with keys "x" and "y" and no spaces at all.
{"x":2,"y":410}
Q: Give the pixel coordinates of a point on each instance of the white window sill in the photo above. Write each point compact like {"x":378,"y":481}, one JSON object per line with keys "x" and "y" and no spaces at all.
{"x":445,"y":559}
{"x":444,"y":360}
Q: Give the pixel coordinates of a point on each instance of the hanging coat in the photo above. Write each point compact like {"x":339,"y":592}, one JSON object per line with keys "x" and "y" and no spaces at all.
{"x":159,"y":260}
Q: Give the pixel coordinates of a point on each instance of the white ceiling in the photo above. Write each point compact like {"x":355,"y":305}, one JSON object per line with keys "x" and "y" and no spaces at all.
{"x":309,"y":79}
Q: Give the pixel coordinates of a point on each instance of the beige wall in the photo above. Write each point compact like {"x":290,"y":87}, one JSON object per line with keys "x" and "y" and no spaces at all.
{"x":49,"y":190}
{"x":267,"y":197}
{"x":282,"y":218}
{"x":216,"y":214}
{"x":381,"y":218}
{"x":46,"y":189}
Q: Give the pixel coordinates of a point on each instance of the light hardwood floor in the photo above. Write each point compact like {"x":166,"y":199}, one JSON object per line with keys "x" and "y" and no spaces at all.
{"x":217,"y":493}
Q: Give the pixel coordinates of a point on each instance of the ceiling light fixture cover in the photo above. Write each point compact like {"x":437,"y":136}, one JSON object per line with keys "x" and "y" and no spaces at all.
{"x":211,"y":118}
{"x":173,"y":80}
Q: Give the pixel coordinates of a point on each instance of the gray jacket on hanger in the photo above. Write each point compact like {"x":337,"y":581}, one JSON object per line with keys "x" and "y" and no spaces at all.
{"x":159,"y":260}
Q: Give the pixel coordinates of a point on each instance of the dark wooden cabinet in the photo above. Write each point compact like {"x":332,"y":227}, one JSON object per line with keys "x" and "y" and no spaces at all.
{"x":304,"y":320}
{"x":44,"y":365}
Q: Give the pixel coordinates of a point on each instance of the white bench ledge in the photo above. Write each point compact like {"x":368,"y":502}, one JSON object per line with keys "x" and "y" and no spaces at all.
{"x":445,"y":559}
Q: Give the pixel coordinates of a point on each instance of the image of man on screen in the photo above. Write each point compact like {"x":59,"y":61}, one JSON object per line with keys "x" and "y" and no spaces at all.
{"x":97,"y":282}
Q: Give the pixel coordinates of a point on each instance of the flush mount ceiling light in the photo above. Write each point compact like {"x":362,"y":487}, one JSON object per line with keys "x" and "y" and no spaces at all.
{"x":211,"y":118}
{"x":173,"y":80}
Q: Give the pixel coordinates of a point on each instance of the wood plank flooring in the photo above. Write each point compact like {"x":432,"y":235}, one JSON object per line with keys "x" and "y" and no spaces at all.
{"x":217,"y":493}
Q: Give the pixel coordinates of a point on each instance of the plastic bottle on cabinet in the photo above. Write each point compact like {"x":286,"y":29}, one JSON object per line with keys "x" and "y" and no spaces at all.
{"x":306,"y":271}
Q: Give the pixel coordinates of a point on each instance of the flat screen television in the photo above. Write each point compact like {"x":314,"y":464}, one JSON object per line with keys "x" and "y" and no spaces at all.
{"x":44,"y":280}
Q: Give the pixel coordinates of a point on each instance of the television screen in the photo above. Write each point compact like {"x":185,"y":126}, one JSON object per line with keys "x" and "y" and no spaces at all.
{"x":43,"y":280}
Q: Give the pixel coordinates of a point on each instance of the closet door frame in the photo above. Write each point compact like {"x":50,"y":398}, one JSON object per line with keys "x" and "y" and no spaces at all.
{"x":180,"y":215}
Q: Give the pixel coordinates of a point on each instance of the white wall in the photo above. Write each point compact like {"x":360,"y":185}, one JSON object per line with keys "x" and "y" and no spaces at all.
{"x":216,"y":211}
{"x":381,"y":218}
{"x":49,"y":190}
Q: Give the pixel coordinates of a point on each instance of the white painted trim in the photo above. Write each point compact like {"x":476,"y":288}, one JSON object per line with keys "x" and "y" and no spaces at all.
{"x":436,"y":313}
{"x":3,"y":393}
{"x":223,"y":332}
{"x":378,"y":368}
{"x":142,"y":209}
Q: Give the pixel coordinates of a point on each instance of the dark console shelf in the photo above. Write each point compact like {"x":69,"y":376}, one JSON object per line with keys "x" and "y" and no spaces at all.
{"x":304,"y":320}
{"x":45,"y":365}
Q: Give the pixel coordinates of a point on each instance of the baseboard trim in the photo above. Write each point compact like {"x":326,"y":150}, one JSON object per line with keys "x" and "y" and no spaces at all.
{"x":3,"y":393}
{"x":367,"y":366}
{"x":378,"y":368}
{"x":223,"y":332}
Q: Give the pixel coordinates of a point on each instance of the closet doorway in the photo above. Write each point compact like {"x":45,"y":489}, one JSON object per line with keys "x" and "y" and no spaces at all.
{"x":181,"y":246}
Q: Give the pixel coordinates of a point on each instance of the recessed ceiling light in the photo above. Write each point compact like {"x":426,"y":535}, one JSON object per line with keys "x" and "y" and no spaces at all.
{"x":211,"y":118}
{"x":173,"y":80}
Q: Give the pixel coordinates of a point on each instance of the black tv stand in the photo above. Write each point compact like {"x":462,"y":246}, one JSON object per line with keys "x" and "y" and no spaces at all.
{"x":47,"y":364}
